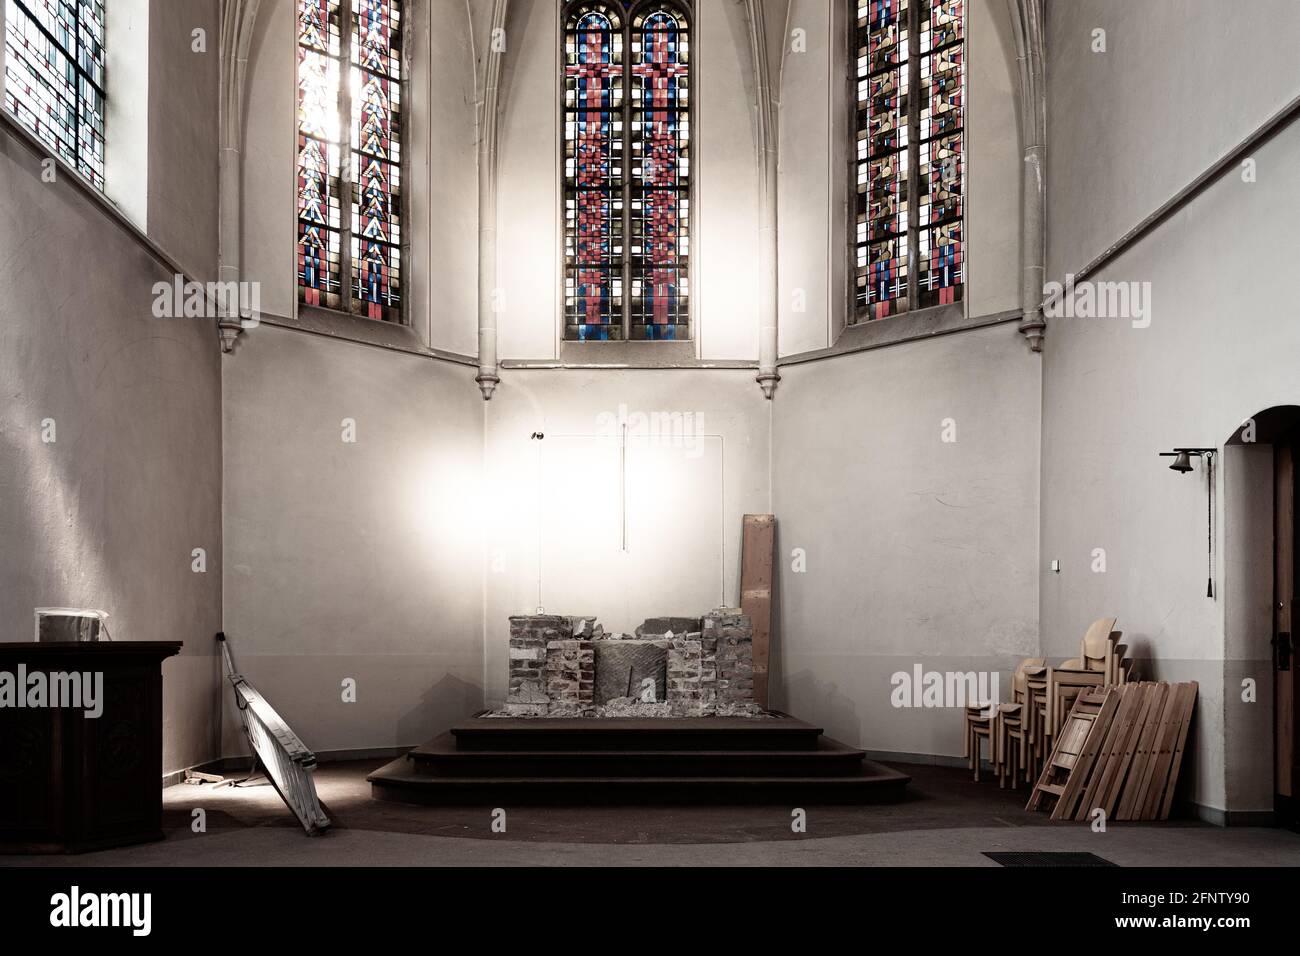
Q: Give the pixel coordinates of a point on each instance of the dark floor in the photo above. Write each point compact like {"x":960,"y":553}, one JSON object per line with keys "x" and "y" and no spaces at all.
{"x":947,"y":820}
{"x":938,"y":798}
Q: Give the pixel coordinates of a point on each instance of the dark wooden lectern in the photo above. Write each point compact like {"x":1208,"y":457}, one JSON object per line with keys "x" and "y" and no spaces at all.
{"x":69,"y":782}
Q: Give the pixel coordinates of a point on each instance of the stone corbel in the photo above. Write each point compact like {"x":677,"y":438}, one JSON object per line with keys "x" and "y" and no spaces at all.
{"x":1027,"y":25}
{"x":237,"y":20}
{"x":488,"y":81}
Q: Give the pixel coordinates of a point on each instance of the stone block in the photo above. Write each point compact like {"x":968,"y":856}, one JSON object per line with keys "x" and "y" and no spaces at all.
{"x":659,"y":626}
{"x":622,"y":666}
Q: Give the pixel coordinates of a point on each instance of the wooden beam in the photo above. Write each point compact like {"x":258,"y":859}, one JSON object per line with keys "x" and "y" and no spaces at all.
{"x":759,"y":534}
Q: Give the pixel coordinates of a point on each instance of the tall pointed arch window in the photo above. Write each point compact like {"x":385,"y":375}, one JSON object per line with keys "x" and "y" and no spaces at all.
{"x":627,"y":171}
{"x":54,"y":77}
{"x":910,"y":155}
{"x":350,"y":156}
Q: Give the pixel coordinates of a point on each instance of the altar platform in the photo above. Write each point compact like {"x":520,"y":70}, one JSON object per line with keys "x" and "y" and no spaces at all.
{"x":503,"y":760}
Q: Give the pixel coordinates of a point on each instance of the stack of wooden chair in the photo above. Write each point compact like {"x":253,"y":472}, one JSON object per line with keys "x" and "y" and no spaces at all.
{"x":1020,"y":734}
{"x":1118,"y":751}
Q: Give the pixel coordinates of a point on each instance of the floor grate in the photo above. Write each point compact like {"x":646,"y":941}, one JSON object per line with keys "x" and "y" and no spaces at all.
{"x":1048,"y":859}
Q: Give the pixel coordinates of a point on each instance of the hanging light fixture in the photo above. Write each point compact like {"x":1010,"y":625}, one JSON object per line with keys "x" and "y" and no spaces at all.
{"x":1183,"y":464}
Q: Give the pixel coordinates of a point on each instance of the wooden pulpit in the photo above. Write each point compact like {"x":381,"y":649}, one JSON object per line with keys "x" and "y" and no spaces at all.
{"x":70,"y":781}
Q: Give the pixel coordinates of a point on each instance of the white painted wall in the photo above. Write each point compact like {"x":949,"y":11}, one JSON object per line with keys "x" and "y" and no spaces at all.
{"x":686,"y":496}
{"x":919,"y":551}
{"x":726,"y":161}
{"x":183,"y":136}
{"x":813,"y":178}
{"x":352,"y":560}
{"x":993,"y":161}
{"x":443,"y":181}
{"x":553,"y":511}
{"x":269,"y":234}
{"x":1180,"y":85}
{"x":108,"y":514}
{"x":126,"y":110}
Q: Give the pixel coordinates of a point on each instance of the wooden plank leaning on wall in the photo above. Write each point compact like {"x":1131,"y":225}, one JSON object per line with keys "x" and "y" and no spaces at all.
{"x":756,"y":556}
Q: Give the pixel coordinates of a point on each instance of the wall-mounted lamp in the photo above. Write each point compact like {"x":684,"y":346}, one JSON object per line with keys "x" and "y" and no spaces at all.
{"x":1183,"y":464}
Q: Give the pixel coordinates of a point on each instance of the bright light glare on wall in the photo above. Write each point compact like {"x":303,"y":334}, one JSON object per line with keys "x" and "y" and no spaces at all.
{"x":445,"y":502}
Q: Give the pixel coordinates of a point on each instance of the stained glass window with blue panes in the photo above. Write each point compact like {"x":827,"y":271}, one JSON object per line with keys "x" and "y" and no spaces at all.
{"x":627,"y":171}
{"x":54,"y":77}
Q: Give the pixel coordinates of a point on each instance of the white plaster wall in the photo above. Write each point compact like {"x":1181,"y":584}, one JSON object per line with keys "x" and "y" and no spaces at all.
{"x":358,"y":560}
{"x":918,"y":551}
{"x":1220,"y":347}
{"x":126,"y":109}
{"x":993,"y":161}
{"x":727,"y":253}
{"x":816,"y":130}
{"x":814,"y":155}
{"x":692,"y":495}
{"x":443,"y":179}
{"x":528,"y":250}
{"x":269,"y":231}
{"x":183,"y":133}
{"x":1180,"y":84}
{"x":107,"y":515}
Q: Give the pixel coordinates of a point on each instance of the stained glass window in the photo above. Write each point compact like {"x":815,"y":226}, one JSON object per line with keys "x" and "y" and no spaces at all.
{"x":349,"y":156}
{"x":54,"y":77}
{"x":627,"y":174}
{"x":909,"y":155}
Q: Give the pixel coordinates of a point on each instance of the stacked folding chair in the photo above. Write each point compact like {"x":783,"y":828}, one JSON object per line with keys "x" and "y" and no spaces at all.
{"x":1119,"y":750}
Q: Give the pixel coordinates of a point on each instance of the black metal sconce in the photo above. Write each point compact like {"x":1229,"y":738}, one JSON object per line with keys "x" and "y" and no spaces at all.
{"x":1183,"y":464}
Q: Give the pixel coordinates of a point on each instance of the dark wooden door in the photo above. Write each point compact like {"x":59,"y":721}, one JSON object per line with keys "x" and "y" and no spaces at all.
{"x":1285,"y":776}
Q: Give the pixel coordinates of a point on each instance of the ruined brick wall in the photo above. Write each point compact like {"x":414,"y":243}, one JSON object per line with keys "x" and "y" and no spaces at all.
{"x":529,"y":635}
{"x":712,"y":671}
{"x":685,"y":677}
{"x":734,"y":636}
{"x":570,"y":677}
{"x":704,"y":671}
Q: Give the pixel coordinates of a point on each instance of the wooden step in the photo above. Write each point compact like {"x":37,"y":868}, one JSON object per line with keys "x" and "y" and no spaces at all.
{"x":442,"y":757}
{"x":670,"y":734}
{"x":399,"y":781}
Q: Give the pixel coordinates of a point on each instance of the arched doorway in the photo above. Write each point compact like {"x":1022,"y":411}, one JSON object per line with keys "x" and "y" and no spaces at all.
{"x":1263,"y":501}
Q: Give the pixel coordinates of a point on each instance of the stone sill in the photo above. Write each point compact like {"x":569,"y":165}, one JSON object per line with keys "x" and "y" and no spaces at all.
{"x":350,"y":328}
{"x":898,"y":329}
{"x":861,"y":337}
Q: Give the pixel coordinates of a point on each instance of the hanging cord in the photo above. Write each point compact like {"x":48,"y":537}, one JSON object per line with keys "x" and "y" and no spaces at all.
{"x":1209,"y":525}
